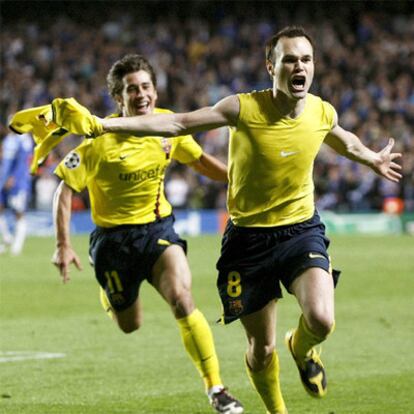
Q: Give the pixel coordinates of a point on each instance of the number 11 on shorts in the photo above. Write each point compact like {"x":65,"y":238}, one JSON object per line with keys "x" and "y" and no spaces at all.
{"x":114,"y":282}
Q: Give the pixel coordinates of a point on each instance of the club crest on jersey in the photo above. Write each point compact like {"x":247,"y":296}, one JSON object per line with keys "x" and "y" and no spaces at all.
{"x":166,"y":146}
{"x":72,"y":160}
{"x":236,"y":307}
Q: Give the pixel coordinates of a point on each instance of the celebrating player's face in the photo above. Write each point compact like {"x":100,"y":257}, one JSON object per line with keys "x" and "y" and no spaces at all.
{"x":294,"y":66}
{"x":139,"y":94}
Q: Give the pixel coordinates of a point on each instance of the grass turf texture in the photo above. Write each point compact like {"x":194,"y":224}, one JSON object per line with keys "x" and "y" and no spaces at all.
{"x":369,"y":359}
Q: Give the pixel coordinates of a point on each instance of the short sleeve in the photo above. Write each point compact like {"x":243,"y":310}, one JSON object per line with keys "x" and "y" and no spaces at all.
{"x":329,"y":114}
{"x":186,"y":149}
{"x":79,"y":166}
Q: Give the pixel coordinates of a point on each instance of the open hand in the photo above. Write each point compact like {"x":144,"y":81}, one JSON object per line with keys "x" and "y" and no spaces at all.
{"x":385,"y":165}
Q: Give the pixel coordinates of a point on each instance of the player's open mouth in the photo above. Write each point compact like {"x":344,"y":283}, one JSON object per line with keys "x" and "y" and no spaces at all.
{"x":142,"y":107}
{"x":298,"y":83}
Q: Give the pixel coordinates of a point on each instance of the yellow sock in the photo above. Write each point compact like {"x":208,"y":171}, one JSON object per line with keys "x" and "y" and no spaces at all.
{"x":266,"y":383}
{"x":198,"y":342}
{"x":105,"y":303}
{"x":304,"y":339}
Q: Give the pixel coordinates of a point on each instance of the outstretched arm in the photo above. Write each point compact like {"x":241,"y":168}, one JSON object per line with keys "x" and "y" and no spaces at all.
{"x":349,"y":145}
{"x":64,"y":254}
{"x":224,"y":113}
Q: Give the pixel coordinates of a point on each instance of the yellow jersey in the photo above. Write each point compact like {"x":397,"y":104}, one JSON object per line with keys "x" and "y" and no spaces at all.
{"x":271,"y":160}
{"x":125,"y":174}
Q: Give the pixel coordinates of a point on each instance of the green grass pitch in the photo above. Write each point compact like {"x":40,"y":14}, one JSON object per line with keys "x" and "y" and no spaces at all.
{"x":369,"y":359}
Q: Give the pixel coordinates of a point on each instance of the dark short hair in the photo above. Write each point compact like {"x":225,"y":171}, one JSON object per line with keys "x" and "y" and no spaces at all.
{"x":128,"y":64}
{"x":289,"y":31}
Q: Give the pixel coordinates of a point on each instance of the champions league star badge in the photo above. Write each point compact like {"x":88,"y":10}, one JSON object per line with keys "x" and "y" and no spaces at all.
{"x":72,"y":160}
{"x":236,"y":307}
{"x":166,"y":146}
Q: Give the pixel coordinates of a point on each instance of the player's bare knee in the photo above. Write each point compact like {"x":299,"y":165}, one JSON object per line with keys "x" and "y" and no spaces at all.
{"x":129,"y":327}
{"x":321,"y":323}
{"x":181,"y":303}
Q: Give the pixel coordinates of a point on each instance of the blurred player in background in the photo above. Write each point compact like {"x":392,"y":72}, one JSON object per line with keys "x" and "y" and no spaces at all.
{"x":134,"y":238}
{"x":274,"y":234}
{"x":16,"y":188}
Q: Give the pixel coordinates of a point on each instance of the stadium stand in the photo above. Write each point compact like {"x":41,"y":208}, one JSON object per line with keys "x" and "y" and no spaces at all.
{"x":206,"y":50}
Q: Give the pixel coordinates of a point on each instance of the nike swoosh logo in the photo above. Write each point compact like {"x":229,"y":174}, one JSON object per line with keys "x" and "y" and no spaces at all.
{"x":122,"y":157}
{"x":316,"y":256}
{"x":287,"y":153}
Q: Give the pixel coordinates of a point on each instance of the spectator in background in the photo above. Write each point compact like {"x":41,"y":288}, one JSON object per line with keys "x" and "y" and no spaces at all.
{"x":194,"y":61}
{"x":45,"y":187}
{"x":15,"y":187}
{"x":177,"y":190}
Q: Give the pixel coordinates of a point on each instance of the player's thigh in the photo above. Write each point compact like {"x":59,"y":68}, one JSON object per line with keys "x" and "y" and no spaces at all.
{"x":260,"y":326}
{"x":129,"y":319}
{"x":247,"y":277}
{"x":171,"y":275}
{"x":314,"y":291}
{"x":115,"y":265}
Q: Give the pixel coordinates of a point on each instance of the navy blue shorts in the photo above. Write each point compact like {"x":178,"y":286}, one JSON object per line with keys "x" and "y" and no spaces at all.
{"x":124,"y":256}
{"x":255,"y":260}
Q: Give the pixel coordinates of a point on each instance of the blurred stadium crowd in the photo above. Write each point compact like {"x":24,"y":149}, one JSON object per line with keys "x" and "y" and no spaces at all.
{"x":203,"y":51}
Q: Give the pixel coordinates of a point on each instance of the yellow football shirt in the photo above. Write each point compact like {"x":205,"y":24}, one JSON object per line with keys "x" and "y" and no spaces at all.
{"x":271,"y":160}
{"x":125,"y":174}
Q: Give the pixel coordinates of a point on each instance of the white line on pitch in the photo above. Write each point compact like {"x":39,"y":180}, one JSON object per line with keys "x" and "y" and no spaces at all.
{"x":12,"y":356}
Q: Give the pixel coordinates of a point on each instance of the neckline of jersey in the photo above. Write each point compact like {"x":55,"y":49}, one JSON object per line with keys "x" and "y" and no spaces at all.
{"x":286,"y":117}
